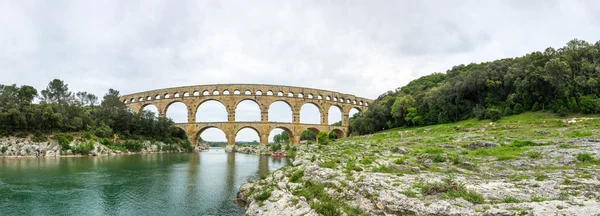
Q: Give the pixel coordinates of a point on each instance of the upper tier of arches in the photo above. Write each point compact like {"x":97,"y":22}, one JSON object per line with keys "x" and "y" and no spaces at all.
{"x":224,"y":90}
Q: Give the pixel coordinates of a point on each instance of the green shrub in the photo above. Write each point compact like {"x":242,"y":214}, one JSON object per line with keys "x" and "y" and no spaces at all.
{"x":63,"y":140}
{"x":38,"y":137}
{"x":509,"y":199}
{"x":83,"y":148}
{"x":103,"y":131}
{"x":366,"y":160}
{"x":186,"y":145}
{"x":22,"y":134}
{"x":585,"y":157}
{"x":264,"y":195}
{"x":438,"y":158}
{"x":521,"y":143}
{"x":296,"y":176}
{"x":3,"y":149}
{"x":493,"y":114}
{"x":133,"y":145}
{"x":87,"y":136}
{"x":399,"y":161}
{"x":518,"y":109}
{"x":536,"y":107}
{"x":323,"y":138}
{"x":275,"y":147}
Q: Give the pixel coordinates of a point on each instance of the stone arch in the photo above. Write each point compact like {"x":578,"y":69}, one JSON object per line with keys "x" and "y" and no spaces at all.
{"x":167,"y":96}
{"x":205,"y":93}
{"x":310,"y":96}
{"x":225,"y":92}
{"x":300,"y":95}
{"x":157,"y":97}
{"x":284,"y":129}
{"x":176,"y":95}
{"x":215,"y":92}
{"x":237,"y":133}
{"x":236,"y":106}
{"x":333,"y":115}
{"x":320,"y":97}
{"x":196,"y":93}
{"x":258,"y":92}
{"x":186,"y":94}
{"x":199,"y":115}
{"x":280,"y":94}
{"x":338,"y":132}
{"x":132,"y":100}
{"x":290,"y":94}
{"x":175,"y":116}
{"x":140,"y":99}
{"x":328,"y":98}
{"x":308,"y":115}
{"x":148,"y":98}
{"x":269,"y":93}
{"x":247,"y":92}
{"x":275,"y":107}
{"x":198,"y":134}
{"x":236,"y":92}
{"x":148,"y":106}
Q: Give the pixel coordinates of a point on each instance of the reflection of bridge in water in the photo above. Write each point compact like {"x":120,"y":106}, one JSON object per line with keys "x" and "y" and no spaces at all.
{"x":231,"y":95}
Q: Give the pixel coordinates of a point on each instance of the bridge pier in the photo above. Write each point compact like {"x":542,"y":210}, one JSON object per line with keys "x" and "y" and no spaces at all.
{"x":264,"y":139}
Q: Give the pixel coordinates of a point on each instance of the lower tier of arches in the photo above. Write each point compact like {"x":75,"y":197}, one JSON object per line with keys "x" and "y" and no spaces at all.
{"x":294,"y":130}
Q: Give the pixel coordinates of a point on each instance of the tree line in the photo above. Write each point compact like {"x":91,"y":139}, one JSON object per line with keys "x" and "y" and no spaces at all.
{"x":60,"y":110}
{"x":562,"y":81}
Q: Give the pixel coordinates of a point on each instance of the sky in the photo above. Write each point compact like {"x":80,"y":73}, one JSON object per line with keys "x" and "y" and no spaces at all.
{"x":357,"y":47}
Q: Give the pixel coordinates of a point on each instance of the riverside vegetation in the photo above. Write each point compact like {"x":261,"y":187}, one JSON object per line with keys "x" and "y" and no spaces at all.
{"x":532,"y":163}
{"x":67,"y":123}
{"x":486,"y":138}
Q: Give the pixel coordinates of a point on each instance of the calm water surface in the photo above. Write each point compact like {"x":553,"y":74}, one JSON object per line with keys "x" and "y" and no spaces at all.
{"x":154,"y":184}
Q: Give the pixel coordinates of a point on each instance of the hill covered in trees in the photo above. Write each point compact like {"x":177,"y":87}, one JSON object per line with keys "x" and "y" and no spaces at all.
{"x":562,"y":81}
{"x":61,"y":110}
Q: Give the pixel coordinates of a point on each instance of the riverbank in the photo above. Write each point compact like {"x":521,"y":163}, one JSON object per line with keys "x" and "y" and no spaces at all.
{"x":534,"y":163}
{"x":26,"y":147}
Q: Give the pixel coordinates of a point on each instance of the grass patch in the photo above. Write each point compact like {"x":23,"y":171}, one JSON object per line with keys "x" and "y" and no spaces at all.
{"x":451,"y":189}
{"x":500,"y":152}
{"x":578,"y":134}
{"x":264,"y":195}
{"x":296,"y":176}
{"x":509,"y":199}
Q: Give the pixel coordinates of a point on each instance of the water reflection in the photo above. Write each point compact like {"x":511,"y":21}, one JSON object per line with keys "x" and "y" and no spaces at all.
{"x":151,"y":184}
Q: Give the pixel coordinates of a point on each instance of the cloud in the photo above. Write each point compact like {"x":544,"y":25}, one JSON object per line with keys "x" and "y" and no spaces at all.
{"x":359,"y":47}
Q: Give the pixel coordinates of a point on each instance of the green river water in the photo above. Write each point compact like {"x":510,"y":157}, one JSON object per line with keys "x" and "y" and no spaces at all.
{"x":202,"y":183}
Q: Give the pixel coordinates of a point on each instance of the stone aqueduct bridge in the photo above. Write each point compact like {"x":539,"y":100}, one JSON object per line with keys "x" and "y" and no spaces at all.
{"x":230,"y":95}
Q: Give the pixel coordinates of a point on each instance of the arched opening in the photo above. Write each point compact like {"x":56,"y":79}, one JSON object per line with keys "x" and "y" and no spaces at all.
{"x":205,"y":93}
{"x":248,"y":136}
{"x":320,"y":97}
{"x":157,"y":97}
{"x":247,"y":110}
{"x":149,"y":98}
{"x":300,"y":95}
{"x":335,"y":115}
{"x":280,"y":136}
{"x":280,"y":94}
{"x":328,"y":98}
{"x":132,"y":100}
{"x":211,"y":111}
{"x":226,"y":92}
{"x":215,"y":92}
{"x":215,"y":137}
{"x":196,"y":93}
{"x":336,"y":134}
{"x":167,"y":95}
{"x":270,"y":93}
{"x":236,"y":92}
{"x":309,"y":135}
{"x":280,"y":111}
{"x":310,"y":96}
{"x":310,"y":114}
{"x":151,"y":108}
{"x":366,"y":103}
{"x":258,"y":92}
{"x":186,"y":94}
{"x":125,"y":101}
{"x":177,"y":112}
{"x":248,"y":92}
{"x":140,"y":99}
{"x":353,"y":112}
{"x":335,"y":99}
{"x":291,"y":94}
{"x":176,"y":94}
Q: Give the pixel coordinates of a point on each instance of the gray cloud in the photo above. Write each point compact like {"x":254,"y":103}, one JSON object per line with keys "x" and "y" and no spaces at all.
{"x":359,"y":47}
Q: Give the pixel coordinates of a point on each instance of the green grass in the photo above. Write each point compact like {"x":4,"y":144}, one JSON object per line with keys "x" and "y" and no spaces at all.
{"x":578,"y":134}
{"x":500,"y":152}
{"x":450,"y":189}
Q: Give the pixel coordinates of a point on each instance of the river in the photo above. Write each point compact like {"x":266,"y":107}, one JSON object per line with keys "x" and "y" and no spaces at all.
{"x":202,"y":183}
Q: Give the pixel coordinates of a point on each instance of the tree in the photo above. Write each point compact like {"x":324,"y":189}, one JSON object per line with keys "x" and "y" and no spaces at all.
{"x":307,"y":135}
{"x":56,"y":92}
{"x":323,"y":138}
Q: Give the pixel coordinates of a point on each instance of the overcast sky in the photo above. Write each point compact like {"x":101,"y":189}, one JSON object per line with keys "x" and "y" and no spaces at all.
{"x":359,"y":47}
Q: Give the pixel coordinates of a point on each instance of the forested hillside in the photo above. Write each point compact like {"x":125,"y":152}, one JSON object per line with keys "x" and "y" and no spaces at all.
{"x":61,"y":110}
{"x":562,"y":81}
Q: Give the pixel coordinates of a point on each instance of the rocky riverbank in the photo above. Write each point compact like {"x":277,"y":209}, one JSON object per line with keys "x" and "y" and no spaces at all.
{"x":253,"y":149}
{"x":25,"y":147}
{"x":533,"y":164}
